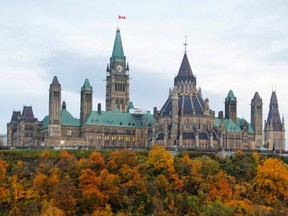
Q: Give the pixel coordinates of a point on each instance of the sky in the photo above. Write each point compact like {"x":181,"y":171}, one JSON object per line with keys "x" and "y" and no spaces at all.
{"x":240,"y":45}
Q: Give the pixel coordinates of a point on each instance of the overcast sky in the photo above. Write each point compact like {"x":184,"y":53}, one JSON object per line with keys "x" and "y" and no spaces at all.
{"x":239,"y":45}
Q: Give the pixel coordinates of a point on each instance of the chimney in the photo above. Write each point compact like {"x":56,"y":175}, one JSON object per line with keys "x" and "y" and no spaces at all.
{"x":99,"y":108}
{"x":220,"y":114}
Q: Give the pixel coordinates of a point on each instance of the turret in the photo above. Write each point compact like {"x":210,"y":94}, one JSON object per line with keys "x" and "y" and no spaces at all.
{"x":231,"y":107}
{"x":117,"y":78}
{"x":86,"y":101}
{"x":54,"y":128}
{"x":257,"y":119}
{"x":274,"y":131}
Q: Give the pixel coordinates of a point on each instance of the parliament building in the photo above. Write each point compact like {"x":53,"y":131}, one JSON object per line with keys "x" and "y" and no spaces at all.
{"x":185,"y":120}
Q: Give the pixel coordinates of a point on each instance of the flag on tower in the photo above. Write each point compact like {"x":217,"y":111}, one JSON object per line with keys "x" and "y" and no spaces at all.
{"x":121,"y":17}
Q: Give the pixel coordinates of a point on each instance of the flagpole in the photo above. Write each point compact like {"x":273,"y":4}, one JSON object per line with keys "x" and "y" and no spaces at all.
{"x":118,"y":27}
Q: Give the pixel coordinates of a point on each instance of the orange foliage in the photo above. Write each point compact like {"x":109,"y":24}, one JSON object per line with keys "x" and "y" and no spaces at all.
{"x":45,"y":154}
{"x":40,"y":183}
{"x":241,"y":207}
{"x":89,"y":186}
{"x":221,"y":187}
{"x":96,"y":161}
{"x":118,"y":158}
{"x":272,"y":181}
{"x":3,"y":169}
{"x":66,"y":155}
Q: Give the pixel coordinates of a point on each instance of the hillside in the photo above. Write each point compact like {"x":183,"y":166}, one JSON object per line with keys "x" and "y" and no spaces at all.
{"x":126,"y":182}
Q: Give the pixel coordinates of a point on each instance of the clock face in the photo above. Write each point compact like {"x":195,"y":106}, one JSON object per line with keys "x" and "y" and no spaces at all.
{"x":119,"y":68}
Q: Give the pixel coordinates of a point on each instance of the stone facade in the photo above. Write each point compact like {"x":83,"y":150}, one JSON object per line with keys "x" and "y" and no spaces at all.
{"x":186,"y":122}
{"x":274,"y":131}
{"x":23,"y":129}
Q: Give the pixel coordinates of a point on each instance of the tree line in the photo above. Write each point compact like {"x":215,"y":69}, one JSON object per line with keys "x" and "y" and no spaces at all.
{"x":127,"y":182}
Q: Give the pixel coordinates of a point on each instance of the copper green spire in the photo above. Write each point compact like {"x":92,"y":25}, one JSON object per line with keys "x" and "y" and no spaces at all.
{"x":117,"y":53}
{"x":86,"y":85}
{"x":230,"y":96}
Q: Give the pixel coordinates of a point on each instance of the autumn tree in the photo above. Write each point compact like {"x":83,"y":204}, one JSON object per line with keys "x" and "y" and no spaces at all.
{"x":68,"y":164}
{"x":4,"y":196}
{"x":120,"y":157}
{"x":160,"y":160}
{"x":96,"y":162}
{"x":271,"y":182}
{"x":92,"y":198}
{"x":64,"y":196}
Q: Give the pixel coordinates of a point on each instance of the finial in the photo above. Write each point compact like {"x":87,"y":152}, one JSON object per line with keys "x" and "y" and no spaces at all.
{"x":185,"y":44}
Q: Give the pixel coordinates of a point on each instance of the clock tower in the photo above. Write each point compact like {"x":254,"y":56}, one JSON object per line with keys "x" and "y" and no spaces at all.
{"x":117,"y":78}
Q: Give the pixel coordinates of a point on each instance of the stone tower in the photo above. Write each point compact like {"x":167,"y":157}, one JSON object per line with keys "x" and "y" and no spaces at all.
{"x":86,"y":103}
{"x":231,"y":107}
{"x":117,"y":78}
{"x":257,"y":119}
{"x":54,"y":128}
{"x":274,"y":131}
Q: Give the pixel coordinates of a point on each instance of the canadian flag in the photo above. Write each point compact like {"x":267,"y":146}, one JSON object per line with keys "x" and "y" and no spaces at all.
{"x":121,"y":17}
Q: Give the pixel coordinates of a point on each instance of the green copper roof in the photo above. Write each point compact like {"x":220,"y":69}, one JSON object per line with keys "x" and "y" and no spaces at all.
{"x":86,"y":85}
{"x":230,"y":96}
{"x":230,"y":126}
{"x":45,"y":122}
{"x":114,"y":118}
{"x":119,"y":119}
{"x":241,"y":122}
{"x":117,"y":53}
{"x":66,"y":119}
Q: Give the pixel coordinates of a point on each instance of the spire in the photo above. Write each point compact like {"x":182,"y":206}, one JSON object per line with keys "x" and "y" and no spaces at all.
{"x":230,"y":96}
{"x":185,"y":72}
{"x":55,"y":81}
{"x":256,"y":98}
{"x":86,"y":85}
{"x":117,"y":53}
{"x":185,"y":43}
{"x":127,"y":67}
{"x":273,"y":101}
{"x":274,"y":119}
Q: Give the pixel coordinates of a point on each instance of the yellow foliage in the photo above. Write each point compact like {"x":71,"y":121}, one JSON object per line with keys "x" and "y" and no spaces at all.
{"x":18,"y":191}
{"x":196,"y":175}
{"x":272,"y":181}
{"x":159,"y":159}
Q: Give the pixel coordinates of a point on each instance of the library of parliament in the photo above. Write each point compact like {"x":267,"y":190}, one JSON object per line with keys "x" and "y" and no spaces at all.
{"x":185,"y":120}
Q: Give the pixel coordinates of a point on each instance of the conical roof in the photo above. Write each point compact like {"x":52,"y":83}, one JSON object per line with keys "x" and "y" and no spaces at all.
{"x":55,"y":81}
{"x":117,"y":53}
{"x":86,"y":85}
{"x":256,"y":97}
{"x":273,"y":118}
{"x":185,"y":72}
{"x":230,"y":96}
